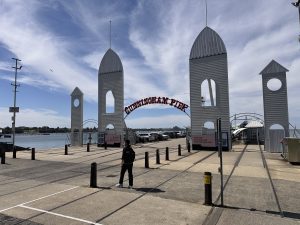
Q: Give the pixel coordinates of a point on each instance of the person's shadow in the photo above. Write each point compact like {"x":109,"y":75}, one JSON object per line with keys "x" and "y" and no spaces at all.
{"x":152,"y":190}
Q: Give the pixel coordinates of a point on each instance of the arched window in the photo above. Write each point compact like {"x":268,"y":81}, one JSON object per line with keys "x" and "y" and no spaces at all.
{"x":110,"y":129}
{"x":208,"y":127}
{"x":208,"y":92}
{"x":276,"y":134}
{"x":110,"y":102}
{"x":276,"y":127}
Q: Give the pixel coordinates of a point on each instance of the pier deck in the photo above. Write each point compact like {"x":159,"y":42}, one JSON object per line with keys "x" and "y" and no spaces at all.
{"x":54,"y":188}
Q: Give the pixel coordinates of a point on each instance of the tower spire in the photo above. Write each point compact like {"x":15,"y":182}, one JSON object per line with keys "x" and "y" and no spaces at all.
{"x":110,"y":34}
{"x":206,"y":13}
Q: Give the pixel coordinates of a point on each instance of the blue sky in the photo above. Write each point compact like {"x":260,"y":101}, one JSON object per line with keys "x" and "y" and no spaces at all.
{"x":61,"y":44}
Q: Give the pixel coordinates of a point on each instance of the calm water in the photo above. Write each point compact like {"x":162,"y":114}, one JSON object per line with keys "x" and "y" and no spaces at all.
{"x":46,"y":141}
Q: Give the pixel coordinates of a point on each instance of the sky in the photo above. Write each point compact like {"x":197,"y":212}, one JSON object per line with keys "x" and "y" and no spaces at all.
{"x":61,"y":44}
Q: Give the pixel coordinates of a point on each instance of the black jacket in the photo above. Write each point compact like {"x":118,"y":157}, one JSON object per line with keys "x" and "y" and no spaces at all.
{"x":128,"y":155}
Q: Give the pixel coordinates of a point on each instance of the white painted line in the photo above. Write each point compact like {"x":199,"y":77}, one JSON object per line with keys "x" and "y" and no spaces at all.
{"x":47,"y":196}
{"x":61,"y":215}
{"x":38,"y":199}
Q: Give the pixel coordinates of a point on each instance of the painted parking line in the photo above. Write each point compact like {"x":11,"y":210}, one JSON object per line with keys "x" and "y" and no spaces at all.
{"x":37,"y":199}
{"x":60,"y":215}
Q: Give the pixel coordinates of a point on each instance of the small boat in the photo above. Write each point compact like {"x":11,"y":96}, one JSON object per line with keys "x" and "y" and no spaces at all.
{"x":7,"y":136}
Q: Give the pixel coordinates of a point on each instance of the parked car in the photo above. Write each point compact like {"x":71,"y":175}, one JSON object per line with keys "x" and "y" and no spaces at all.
{"x":145,"y":137}
{"x":163,"y":137}
{"x":154,"y":136}
{"x":180,"y":134}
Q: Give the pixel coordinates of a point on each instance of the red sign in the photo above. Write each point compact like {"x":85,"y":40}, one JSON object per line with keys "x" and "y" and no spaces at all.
{"x":207,"y":140}
{"x":156,"y":100}
{"x":112,"y":139}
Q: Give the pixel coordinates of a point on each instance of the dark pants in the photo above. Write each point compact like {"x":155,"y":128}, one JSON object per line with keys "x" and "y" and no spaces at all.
{"x":123,"y":170}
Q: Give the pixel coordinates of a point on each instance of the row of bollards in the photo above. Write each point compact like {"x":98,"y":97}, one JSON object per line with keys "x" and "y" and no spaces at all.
{"x":207,"y":178}
{"x":158,"y":156}
{"x":2,"y":153}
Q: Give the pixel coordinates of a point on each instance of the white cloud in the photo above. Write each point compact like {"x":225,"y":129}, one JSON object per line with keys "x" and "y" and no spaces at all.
{"x":42,"y":52}
{"x":156,"y":59}
{"x":34,"y":117}
{"x":158,"y":121}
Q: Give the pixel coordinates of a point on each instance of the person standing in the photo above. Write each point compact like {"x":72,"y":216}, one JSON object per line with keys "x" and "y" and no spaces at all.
{"x":128,"y":157}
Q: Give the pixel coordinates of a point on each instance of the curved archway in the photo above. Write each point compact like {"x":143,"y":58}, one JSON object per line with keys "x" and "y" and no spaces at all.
{"x":110,"y":102}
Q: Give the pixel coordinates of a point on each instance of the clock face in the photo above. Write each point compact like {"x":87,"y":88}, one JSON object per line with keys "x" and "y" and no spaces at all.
{"x":76,"y":102}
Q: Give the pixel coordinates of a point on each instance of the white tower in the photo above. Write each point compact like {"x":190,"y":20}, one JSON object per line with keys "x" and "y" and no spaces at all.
{"x":208,"y":66}
{"x":275,"y":104}
{"x":76,"y":117}
{"x":111,"y":81}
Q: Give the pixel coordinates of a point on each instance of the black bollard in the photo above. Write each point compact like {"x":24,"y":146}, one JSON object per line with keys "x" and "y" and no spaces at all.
{"x":167,"y":153}
{"x":105,"y":145}
{"x":66,"y":149}
{"x":179,"y":150}
{"x":3,"y":156}
{"x":207,"y":188}
{"x":93,"y":181}
{"x":157,"y":157}
{"x":189,"y":147}
{"x":88,"y":147}
{"x":146,"y":159}
{"x":33,"y":154}
{"x":14,"y":152}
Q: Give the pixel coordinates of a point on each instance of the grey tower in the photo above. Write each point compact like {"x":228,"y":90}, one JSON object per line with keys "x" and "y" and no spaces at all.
{"x":76,"y":117}
{"x":208,"y":63}
{"x":275,"y":104}
{"x":110,"y":78}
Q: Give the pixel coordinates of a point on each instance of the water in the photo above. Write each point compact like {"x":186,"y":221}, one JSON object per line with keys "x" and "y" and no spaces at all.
{"x":39,"y":141}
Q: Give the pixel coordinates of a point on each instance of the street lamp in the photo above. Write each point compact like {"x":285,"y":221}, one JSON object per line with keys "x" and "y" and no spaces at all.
{"x":297,"y":5}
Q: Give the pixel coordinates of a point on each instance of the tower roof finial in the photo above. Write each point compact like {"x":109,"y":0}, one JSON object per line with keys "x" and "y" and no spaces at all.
{"x":110,"y":34}
{"x":206,"y":13}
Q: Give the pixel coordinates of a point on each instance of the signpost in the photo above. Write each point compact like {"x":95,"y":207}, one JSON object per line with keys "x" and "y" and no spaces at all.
{"x":14,"y":109}
{"x":219,"y":135}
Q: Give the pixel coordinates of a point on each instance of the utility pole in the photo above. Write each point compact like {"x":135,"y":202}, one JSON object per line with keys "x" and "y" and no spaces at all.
{"x":297,"y":5}
{"x":15,"y":109}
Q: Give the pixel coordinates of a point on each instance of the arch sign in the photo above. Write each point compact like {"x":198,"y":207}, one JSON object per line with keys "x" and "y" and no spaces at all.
{"x":156,"y":100}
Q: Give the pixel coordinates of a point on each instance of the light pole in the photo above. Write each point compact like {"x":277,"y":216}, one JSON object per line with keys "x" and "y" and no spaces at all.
{"x":297,"y":5}
{"x":15,"y":109}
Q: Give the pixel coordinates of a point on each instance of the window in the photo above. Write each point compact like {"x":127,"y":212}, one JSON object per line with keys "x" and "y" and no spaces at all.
{"x":208,"y":92}
{"x":274,"y":84}
{"x":110,"y":102}
{"x":110,"y":127}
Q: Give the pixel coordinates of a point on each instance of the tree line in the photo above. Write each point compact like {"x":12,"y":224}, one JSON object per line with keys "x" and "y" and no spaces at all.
{"x":43,"y":130}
